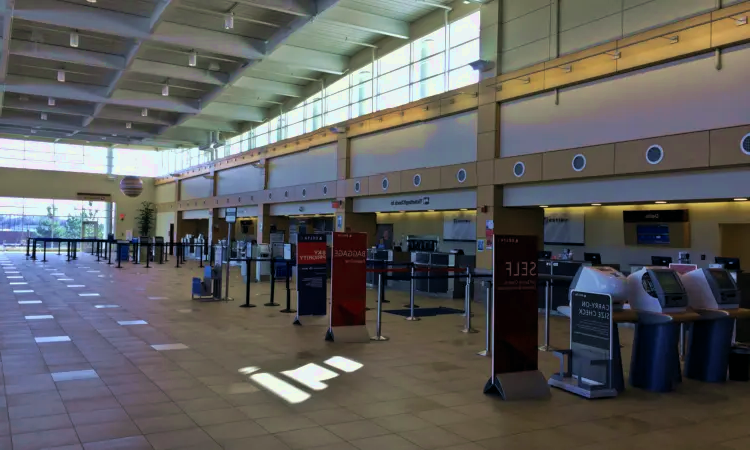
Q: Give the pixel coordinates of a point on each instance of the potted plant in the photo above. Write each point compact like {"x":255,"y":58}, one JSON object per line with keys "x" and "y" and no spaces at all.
{"x":145,"y":218}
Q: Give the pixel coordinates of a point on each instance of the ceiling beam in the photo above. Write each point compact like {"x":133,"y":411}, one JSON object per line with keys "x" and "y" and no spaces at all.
{"x":6,"y":7}
{"x":75,"y":16}
{"x":235,"y":112}
{"x":274,"y":87}
{"x":193,"y":135}
{"x":41,"y":106}
{"x":97,"y":94}
{"x":302,"y":8}
{"x":212,"y":125}
{"x":305,"y":58}
{"x":178,"y":72}
{"x":51,"y":134}
{"x":128,"y":116}
{"x":367,"y":22}
{"x":66,"y":54}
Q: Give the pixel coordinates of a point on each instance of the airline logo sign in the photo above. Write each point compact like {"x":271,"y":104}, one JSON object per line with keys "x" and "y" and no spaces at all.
{"x":422,"y":201}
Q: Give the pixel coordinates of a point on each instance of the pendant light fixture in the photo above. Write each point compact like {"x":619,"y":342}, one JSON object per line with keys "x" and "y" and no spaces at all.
{"x":193,"y":59}
{"x":51,"y":101}
{"x":144,"y":112}
{"x":74,"y":39}
{"x":61,"y":76}
{"x":229,"y":21}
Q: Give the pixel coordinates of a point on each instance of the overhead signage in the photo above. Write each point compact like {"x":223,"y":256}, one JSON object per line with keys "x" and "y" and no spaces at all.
{"x":447,"y":200}
{"x":515,"y":373}
{"x":564,"y":228}
{"x":348,"y":284}
{"x":311,"y":275}
{"x":93,"y":197}
{"x":661,"y":216}
{"x":231,"y":215}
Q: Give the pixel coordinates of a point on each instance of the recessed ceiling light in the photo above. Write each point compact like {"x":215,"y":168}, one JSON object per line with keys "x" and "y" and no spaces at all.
{"x":464,"y":209}
{"x":740,"y":199}
{"x":128,"y":125}
{"x":543,"y":206}
{"x":596,"y":204}
{"x":660,"y":202}
{"x":91,"y":1}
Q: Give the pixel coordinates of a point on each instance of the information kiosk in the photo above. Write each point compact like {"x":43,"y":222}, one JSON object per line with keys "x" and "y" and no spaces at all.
{"x":659,"y":298}
{"x":594,"y":368}
{"x":714,"y":295}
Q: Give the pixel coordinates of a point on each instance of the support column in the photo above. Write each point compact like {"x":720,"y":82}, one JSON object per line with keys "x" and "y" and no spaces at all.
{"x":346,"y":219}
{"x":490,"y":209}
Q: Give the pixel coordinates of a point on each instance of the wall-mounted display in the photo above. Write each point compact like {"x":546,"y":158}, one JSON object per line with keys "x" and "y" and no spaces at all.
{"x":663,"y":228}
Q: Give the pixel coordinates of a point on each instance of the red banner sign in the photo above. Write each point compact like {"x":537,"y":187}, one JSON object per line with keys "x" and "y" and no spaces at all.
{"x":348,"y":279}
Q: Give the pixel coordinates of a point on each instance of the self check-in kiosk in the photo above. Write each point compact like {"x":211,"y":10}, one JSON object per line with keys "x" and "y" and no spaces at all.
{"x":660,"y":301}
{"x":714,"y":295}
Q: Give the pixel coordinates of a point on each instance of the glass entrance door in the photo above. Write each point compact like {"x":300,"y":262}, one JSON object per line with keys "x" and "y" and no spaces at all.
{"x":90,"y":230}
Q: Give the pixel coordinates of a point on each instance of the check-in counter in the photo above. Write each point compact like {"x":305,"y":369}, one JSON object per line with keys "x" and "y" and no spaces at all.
{"x":436,"y":264}
{"x":377,"y":259}
{"x":560,"y":288}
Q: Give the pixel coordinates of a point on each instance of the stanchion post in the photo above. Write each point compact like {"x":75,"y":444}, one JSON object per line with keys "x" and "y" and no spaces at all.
{"x":385,"y":276}
{"x":247,"y":287}
{"x":119,"y":257}
{"x":67,"y":249}
{"x":273,"y":284}
{"x":59,"y":247}
{"x":98,"y":252}
{"x":682,"y":341}
{"x":381,"y":294}
{"x":288,"y":308}
{"x":28,"y":245}
{"x":488,"y":319}
{"x":44,"y":252}
{"x":137,"y":253}
{"x":148,"y":255}
{"x":75,"y":250}
{"x":200,"y":253}
{"x":177,"y":255}
{"x":467,"y":294}
{"x":33,"y":251}
{"x":411,"y":297}
{"x":109,"y":252}
{"x":547,"y":300}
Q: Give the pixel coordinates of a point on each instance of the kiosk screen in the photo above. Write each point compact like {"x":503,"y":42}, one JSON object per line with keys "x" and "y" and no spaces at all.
{"x":723,"y":279}
{"x":668,"y":281}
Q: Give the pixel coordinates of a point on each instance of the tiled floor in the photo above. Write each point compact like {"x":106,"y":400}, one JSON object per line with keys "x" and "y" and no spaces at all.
{"x":93,"y":377}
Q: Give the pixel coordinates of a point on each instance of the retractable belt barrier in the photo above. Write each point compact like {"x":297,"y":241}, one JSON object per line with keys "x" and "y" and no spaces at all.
{"x":289,"y":263}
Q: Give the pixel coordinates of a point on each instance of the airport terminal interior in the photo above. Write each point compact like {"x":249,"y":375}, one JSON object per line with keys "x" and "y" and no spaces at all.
{"x":374,"y":224}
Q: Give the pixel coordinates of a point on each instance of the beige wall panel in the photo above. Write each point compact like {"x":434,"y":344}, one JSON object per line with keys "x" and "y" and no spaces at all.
{"x":341,"y":188}
{"x":326,"y":189}
{"x":504,"y":169}
{"x":727,"y":30}
{"x":600,"y":160}
{"x":725,"y":146}
{"x":522,"y":85}
{"x":426,"y":111}
{"x":165,"y":193}
{"x":449,"y":176}
{"x":486,"y":172}
{"x":658,"y":49}
{"x":487,"y":145}
{"x":364,"y":187}
{"x":358,"y":128}
{"x":430,"y":180}
{"x":682,"y":151}
{"x":386,"y":121}
{"x":459,"y":102}
{"x":584,"y":69}
{"x":487,"y":118}
{"x":375,"y":183}
{"x":342,"y":169}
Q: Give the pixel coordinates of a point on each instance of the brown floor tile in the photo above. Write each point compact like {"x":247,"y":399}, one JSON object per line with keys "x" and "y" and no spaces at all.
{"x":217,"y":416}
{"x":389,"y":441}
{"x":151,"y":425}
{"x":127,"y":443}
{"x":285,"y":423}
{"x":332,"y":416}
{"x":107,"y":431}
{"x":236,"y":430}
{"x":433,"y":437}
{"x":309,"y":438}
{"x":260,"y":442}
{"x":180,"y":439}
{"x":152,"y":410}
{"x":44,"y":439}
{"x":260,"y":410}
{"x":32,"y":424}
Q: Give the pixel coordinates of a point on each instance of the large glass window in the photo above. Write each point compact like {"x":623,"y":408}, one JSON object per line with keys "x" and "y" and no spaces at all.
{"x":23,"y":154}
{"x":137,"y":162}
{"x":21,"y":218}
{"x":411,"y":72}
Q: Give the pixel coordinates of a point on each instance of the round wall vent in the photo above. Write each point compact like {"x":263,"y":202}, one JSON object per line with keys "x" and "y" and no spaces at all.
{"x":579,"y":162}
{"x":461,"y":175}
{"x":384,"y":184}
{"x":654,"y":154}
{"x":519,"y":169}
{"x":357,"y":186}
{"x":325,"y":190}
{"x":745,"y":144}
{"x":417,"y":180}
{"x":304,"y":193}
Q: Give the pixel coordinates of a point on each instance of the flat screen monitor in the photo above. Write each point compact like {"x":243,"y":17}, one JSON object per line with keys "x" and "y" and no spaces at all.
{"x":661,"y":261}
{"x":732,"y":264}
{"x":652,"y":234}
{"x":668,"y":281}
{"x":545,"y":255}
{"x":594,"y":258}
{"x":723,"y":279}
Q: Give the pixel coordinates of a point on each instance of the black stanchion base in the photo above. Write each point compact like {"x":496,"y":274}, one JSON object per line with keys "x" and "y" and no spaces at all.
{"x":297,"y":322}
{"x":409,"y":306}
{"x":386,"y":301}
{"x":271,"y":304}
{"x":248,"y":305}
{"x":367,"y":308}
{"x":329,"y":335}
{"x":288,"y":311}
